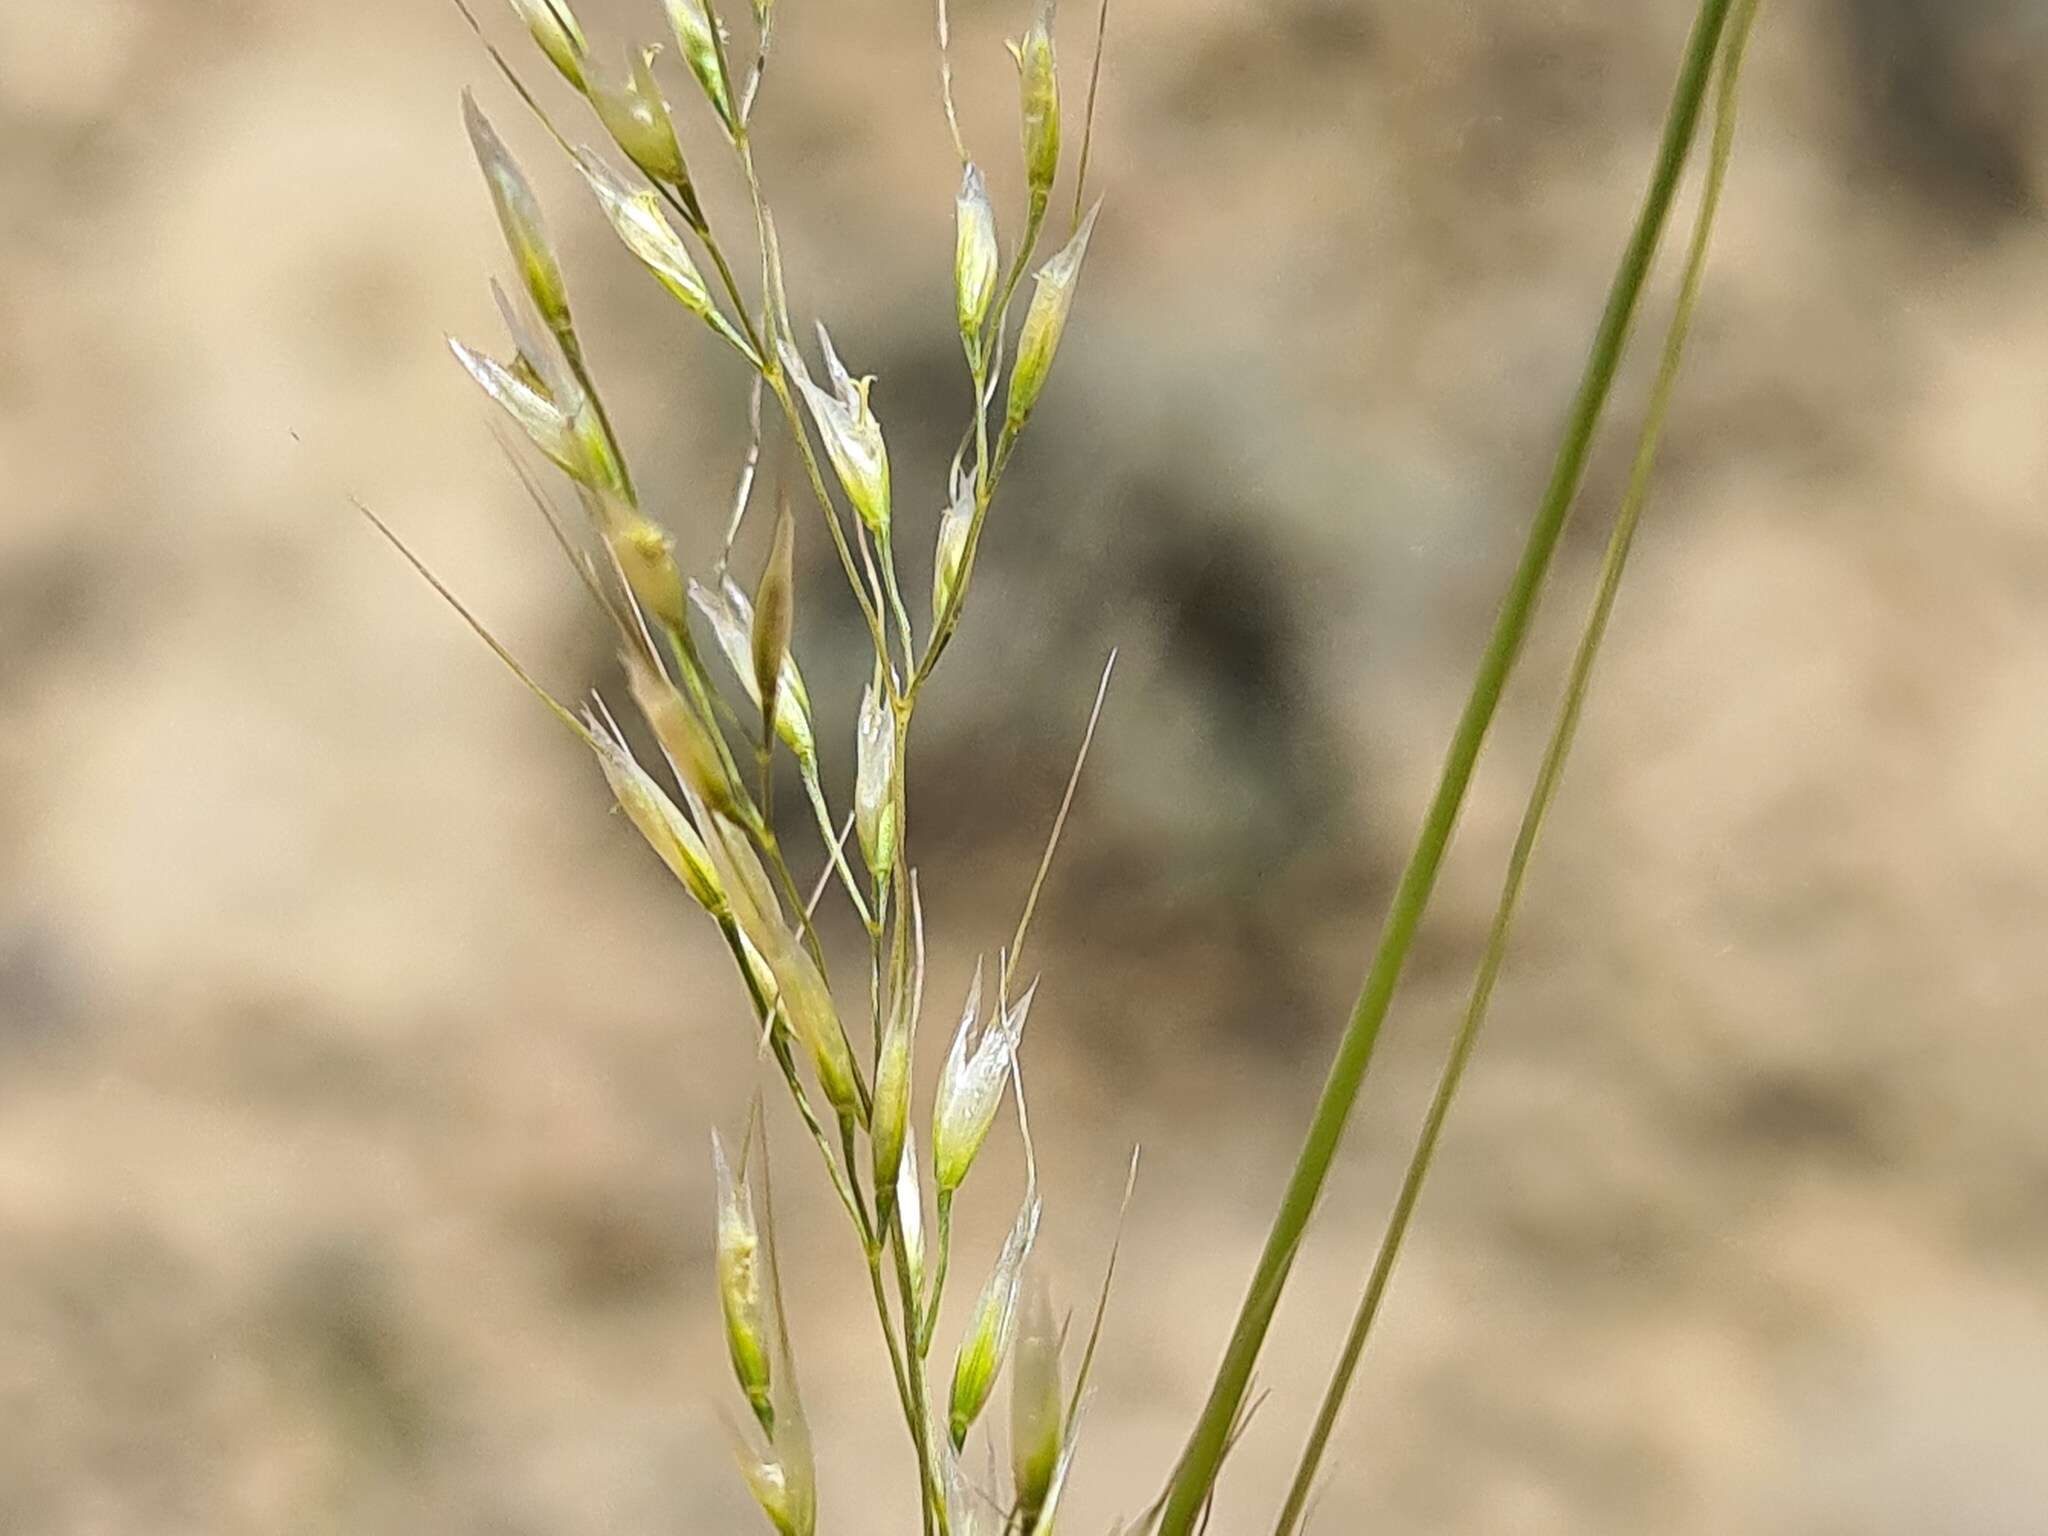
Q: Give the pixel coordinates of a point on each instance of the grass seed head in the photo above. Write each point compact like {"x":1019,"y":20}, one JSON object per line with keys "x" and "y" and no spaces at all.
{"x":637,"y":117}
{"x":1052,"y":299}
{"x":646,"y":554}
{"x":752,"y":896}
{"x":543,"y":398}
{"x":635,"y":213}
{"x":519,"y":394}
{"x":783,"y":1479}
{"x":1039,"y":84}
{"x":808,"y":1004}
{"x":774,"y":612}
{"x":797,"y":985}
{"x":1037,"y":1413}
{"x":955,"y":523}
{"x":976,"y":257}
{"x":731,"y":616}
{"x":700,"y":52}
{"x":659,"y":819}
{"x":892,"y":1090}
{"x":774,"y":301}
{"x":852,"y":436}
{"x":554,"y":28}
{"x":685,"y":739}
{"x":740,"y":1292}
{"x":909,"y":1206}
{"x":992,"y":1328}
{"x":519,"y":217}
{"x":874,"y":787}
{"x":769,"y":1485}
{"x":591,"y":460}
{"x":971,"y":1085}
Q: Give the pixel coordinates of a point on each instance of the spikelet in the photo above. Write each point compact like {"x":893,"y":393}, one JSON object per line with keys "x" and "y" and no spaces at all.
{"x":909,"y":1208}
{"x":992,"y":1327}
{"x":1052,"y":298}
{"x":535,"y":413}
{"x":658,"y":818}
{"x":731,"y":615}
{"x":544,"y":400}
{"x":1037,"y":1414}
{"x":776,"y":1491}
{"x":519,"y":217}
{"x":636,"y":115}
{"x":892,"y":1091}
{"x":635,"y":214}
{"x":955,"y":524}
{"x":739,"y":1287}
{"x":774,"y":613}
{"x":1039,"y":90}
{"x":637,"y":217}
{"x":782,"y":1476}
{"x":976,"y":257}
{"x":689,"y":746}
{"x":700,"y":52}
{"x":554,"y":28}
{"x":808,"y":1004}
{"x":852,"y":436}
{"x":893,"y":1137}
{"x":874,"y":786}
{"x":971,"y":1085}
{"x":800,"y":988}
{"x":646,"y":558}
{"x":774,"y":301}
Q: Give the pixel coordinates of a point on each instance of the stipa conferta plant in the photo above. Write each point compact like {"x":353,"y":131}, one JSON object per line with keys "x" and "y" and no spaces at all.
{"x":709,"y":812}
{"x":713,"y":822}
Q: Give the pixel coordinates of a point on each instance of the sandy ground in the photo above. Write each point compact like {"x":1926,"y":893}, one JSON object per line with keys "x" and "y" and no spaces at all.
{"x":356,"y":1068}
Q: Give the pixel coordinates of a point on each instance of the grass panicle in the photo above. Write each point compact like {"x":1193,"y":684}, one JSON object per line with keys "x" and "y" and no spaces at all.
{"x":714,"y":828}
{"x":705,"y":805}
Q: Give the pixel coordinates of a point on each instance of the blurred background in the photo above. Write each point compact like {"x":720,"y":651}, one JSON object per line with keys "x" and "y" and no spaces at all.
{"x":357,"y":1067}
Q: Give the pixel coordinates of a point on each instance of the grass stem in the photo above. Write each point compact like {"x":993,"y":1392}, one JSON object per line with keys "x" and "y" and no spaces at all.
{"x":1548,"y":776}
{"x":1195,"y":1476}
